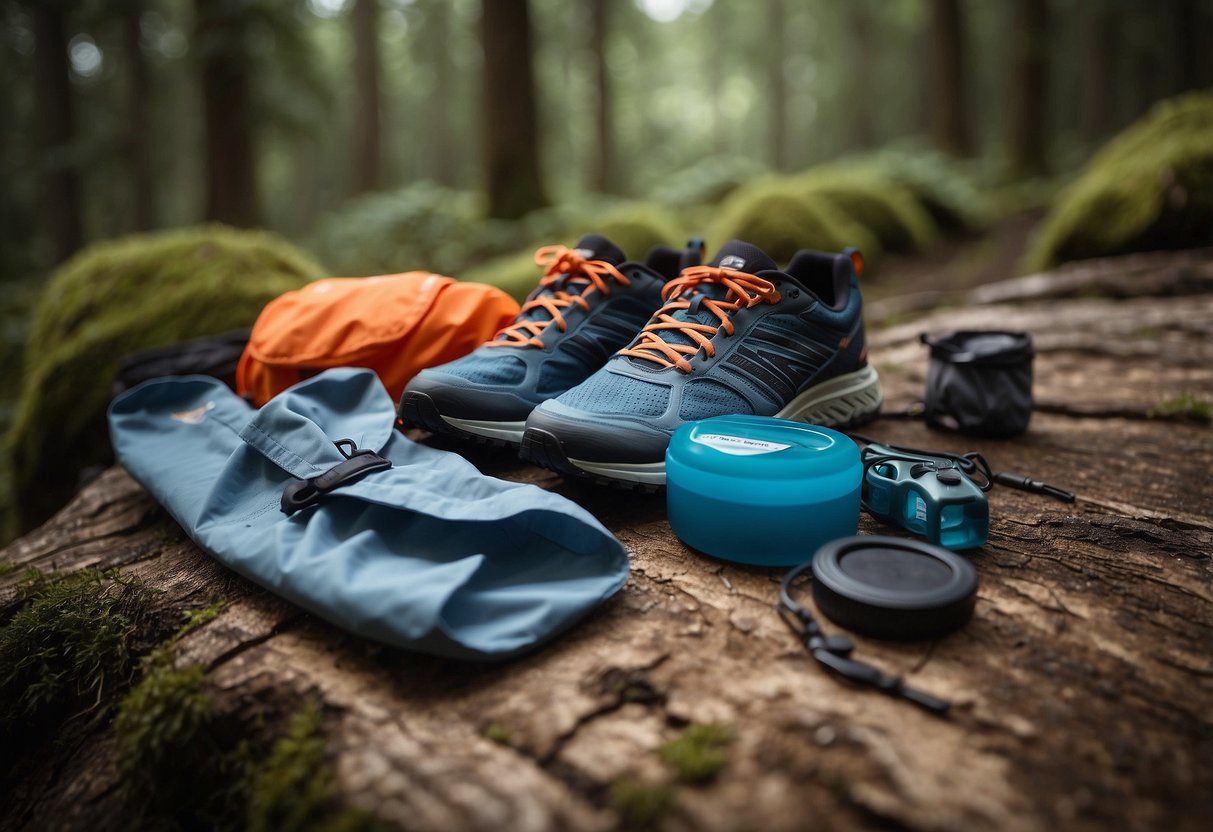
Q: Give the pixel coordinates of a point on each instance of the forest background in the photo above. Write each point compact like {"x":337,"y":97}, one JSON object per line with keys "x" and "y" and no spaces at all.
{"x":453,"y":135}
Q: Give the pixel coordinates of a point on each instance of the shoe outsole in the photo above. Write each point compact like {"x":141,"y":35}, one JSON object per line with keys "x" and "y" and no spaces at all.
{"x":417,"y":410}
{"x":542,"y":448}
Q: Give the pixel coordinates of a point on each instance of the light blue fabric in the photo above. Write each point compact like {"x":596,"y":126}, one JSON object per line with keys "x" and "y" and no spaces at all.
{"x":429,"y":554}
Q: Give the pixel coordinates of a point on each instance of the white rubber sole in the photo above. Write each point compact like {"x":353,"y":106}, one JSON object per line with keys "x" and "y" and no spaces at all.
{"x":649,"y":473}
{"x":846,"y":400}
{"x":501,"y":431}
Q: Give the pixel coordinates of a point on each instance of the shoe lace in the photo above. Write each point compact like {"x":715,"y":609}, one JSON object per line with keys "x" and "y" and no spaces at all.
{"x":565,"y":269}
{"x":744,"y":290}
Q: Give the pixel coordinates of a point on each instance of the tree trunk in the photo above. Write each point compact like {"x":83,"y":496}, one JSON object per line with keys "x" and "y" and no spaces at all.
{"x":139,"y":128}
{"x":1096,"y":45}
{"x":718,"y":57}
{"x":1192,"y":34}
{"x":1080,"y":689}
{"x":56,"y":128}
{"x":777,"y":88}
{"x":859,"y":60}
{"x":227,"y":114}
{"x":365,"y":152}
{"x":948,"y":77}
{"x":605,"y":177}
{"x":442,"y":99}
{"x":1028,"y":90}
{"x":510,"y":115}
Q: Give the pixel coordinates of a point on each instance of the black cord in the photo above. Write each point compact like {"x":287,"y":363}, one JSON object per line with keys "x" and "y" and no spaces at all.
{"x":970,"y":464}
{"x":834,"y":652}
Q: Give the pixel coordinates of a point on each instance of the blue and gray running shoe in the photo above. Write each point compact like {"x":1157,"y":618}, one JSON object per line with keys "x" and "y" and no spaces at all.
{"x":737,"y":336}
{"x":590,"y":302}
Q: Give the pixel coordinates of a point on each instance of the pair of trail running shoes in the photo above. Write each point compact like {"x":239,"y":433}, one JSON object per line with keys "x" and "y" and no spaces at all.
{"x":609,"y":356}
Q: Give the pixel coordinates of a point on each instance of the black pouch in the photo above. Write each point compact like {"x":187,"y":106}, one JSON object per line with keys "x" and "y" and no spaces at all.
{"x":980,"y":383}
{"x":215,"y":355}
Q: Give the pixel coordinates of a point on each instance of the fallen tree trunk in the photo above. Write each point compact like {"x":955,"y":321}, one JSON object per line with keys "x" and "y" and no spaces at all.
{"x":1082,"y":690}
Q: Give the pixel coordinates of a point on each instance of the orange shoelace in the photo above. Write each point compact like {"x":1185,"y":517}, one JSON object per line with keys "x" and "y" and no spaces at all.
{"x":744,"y":290}
{"x":567,"y":267}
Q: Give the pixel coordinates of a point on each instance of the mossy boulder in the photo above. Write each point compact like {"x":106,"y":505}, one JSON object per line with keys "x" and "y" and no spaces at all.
{"x":1149,"y":188}
{"x":113,"y":299}
{"x":780,"y":219}
{"x":886,"y":208}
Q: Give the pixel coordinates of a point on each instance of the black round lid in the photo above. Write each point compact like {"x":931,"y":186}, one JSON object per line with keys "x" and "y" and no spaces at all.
{"x":893,"y":588}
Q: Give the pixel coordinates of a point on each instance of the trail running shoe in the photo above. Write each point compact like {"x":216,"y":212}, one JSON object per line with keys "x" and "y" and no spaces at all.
{"x":590,"y":302}
{"x":737,"y":336}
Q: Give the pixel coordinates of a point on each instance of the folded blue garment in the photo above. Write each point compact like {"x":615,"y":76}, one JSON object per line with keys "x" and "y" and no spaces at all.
{"x":428,"y":554}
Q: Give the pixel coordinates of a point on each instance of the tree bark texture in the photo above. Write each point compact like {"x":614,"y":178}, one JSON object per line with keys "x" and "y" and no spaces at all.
{"x":948,"y":78}
{"x":1028,"y":89}
{"x":227,"y":114}
{"x":442,"y":97}
{"x":511,"y":122}
{"x":1082,"y":689}
{"x":57,"y":128}
{"x":365,"y":168}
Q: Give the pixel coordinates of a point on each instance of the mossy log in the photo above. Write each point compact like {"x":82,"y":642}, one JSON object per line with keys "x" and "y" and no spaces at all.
{"x":1082,"y":690}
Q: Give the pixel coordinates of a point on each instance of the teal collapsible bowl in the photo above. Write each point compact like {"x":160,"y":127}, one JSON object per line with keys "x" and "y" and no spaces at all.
{"x":760,"y":490}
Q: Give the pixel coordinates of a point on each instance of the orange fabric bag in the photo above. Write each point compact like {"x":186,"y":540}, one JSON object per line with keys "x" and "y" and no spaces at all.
{"x":394,"y":324}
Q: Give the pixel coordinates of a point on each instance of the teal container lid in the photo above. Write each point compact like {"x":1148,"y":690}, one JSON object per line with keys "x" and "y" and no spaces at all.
{"x":760,"y":490}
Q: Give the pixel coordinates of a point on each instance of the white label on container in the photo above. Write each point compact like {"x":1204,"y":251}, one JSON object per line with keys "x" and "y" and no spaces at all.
{"x":738,"y":445}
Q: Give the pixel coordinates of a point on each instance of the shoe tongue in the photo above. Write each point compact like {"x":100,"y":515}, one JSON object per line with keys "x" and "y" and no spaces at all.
{"x":735,"y":255}
{"x":743,"y":257}
{"x":597,"y":247}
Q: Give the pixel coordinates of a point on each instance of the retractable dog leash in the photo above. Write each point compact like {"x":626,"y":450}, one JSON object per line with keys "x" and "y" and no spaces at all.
{"x":937,"y":495}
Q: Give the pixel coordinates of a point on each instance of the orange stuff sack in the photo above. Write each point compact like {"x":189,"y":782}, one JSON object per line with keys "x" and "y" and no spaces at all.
{"x":394,"y":324}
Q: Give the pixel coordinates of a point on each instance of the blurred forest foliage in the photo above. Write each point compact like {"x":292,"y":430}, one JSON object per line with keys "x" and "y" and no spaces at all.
{"x":128,"y":115}
{"x":454,"y":135}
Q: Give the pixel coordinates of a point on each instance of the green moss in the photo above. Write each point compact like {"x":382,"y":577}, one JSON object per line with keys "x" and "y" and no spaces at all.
{"x":196,"y":618}
{"x":1184,"y":407}
{"x":67,"y":645}
{"x":498,"y":733}
{"x":1151,"y":187}
{"x":775,"y":217}
{"x":699,"y":753}
{"x":162,"y":728}
{"x":7,"y":567}
{"x":641,"y":806}
{"x":293,"y":787}
{"x":888,"y":210}
{"x":113,"y":299}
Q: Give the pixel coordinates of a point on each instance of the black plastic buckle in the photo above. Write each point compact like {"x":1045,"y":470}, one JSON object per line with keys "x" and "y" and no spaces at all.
{"x":358,"y":463}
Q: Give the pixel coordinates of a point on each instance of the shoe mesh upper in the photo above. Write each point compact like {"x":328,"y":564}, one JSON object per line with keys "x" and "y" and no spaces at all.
{"x":488,"y":369}
{"x":704,"y":398}
{"x":610,"y":393}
